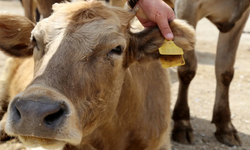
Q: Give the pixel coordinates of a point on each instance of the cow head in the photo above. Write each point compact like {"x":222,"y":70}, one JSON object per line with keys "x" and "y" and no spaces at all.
{"x":81,"y":54}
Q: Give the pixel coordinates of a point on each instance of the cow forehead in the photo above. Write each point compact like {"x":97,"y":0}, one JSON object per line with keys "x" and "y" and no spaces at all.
{"x":89,"y":19}
{"x":82,"y":12}
{"x":91,"y":33}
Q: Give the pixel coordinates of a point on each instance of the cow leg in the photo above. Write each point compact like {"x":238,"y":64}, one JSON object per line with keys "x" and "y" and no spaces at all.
{"x":182,"y":131}
{"x":29,"y":9}
{"x":225,"y":58}
{"x":37,"y":15}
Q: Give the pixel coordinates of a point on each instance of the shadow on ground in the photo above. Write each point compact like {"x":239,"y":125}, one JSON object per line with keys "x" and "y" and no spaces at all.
{"x":205,"y":139}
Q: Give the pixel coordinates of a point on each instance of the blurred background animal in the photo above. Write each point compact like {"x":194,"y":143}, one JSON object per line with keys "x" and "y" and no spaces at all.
{"x":229,"y":16}
{"x":35,"y":8}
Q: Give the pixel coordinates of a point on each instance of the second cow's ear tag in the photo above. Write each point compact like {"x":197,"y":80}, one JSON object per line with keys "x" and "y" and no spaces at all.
{"x":172,"y":55}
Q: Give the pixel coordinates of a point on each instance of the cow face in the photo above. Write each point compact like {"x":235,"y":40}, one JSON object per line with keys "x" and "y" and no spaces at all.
{"x":81,"y":54}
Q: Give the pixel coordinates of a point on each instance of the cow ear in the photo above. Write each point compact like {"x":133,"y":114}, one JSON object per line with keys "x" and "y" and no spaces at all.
{"x":184,"y":34}
{"x":15,"y":33}
{"x":145,"y":44}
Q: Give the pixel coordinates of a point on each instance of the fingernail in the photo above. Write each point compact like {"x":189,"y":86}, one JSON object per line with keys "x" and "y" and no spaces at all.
{"x":169,"y":36}
{"x":135,"y":9}
{"x":169,"y":20}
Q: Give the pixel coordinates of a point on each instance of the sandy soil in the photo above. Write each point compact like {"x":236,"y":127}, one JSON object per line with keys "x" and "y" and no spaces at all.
{"x":202,"y":89}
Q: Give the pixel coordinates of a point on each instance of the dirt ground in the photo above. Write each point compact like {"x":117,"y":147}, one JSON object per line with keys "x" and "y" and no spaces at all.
{"x":202,"y":89}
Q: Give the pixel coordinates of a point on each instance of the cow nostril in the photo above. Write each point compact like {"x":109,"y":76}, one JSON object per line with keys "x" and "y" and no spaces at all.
{"x":17,"y":113}
{"x":54,"y":118}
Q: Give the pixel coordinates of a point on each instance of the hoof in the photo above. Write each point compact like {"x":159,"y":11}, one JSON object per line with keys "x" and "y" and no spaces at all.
{"x":229,"y":139}
{"x":227,"y":134}
{"x":183,"y":132}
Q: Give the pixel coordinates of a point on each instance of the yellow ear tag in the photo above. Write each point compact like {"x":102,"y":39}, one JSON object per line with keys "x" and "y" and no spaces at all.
{"x":172,"y":55}
{"x":169,"y":48}
{"x":168,"y":61}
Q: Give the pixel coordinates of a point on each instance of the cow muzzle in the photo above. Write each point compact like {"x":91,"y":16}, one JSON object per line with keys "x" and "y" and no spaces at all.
{"x":41,"y":120}
{"x":28,"y":116}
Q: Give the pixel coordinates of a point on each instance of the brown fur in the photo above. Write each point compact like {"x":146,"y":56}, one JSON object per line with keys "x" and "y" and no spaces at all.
{"x":116,"y":101}
{"x":13,"y":37}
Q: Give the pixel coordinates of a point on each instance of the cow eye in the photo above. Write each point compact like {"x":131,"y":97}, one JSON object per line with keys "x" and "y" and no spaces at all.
{"x":35,"y":42}
{"x":117,"y":50}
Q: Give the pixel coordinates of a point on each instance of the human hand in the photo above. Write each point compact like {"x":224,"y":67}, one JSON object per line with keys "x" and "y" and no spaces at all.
{"x":157,"y":12}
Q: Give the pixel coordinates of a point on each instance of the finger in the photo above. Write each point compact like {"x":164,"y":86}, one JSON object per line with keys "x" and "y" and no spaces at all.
{"x":162,"y":21}
{"x":160,"y":13}
{"x":165,"y":29}
{"x":146,"y":22}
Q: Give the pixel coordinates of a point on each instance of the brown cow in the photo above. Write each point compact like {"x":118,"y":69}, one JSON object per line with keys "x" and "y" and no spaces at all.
{"x":33,"y":8}
{"x":230,"y":17}
{"x":96,"y":84}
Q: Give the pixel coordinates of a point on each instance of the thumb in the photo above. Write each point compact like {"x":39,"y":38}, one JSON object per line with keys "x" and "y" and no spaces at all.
{"x":163,"y":24}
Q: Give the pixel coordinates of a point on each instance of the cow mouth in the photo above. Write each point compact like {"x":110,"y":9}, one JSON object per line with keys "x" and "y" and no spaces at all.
{"x":41,"y":142}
